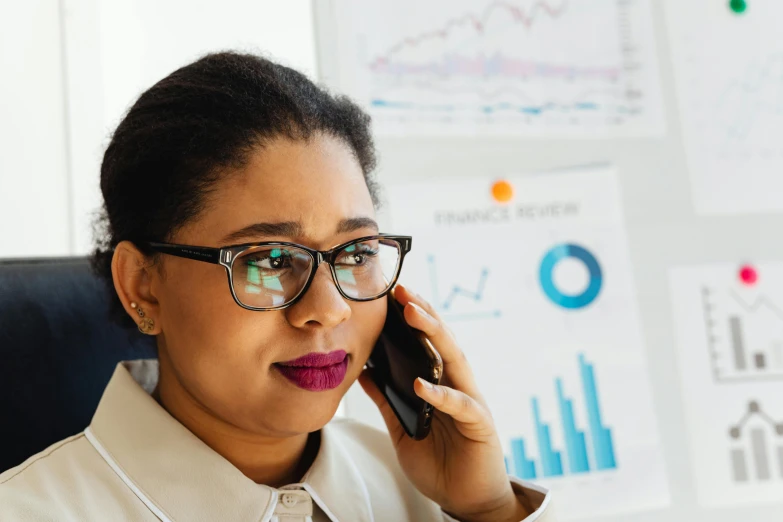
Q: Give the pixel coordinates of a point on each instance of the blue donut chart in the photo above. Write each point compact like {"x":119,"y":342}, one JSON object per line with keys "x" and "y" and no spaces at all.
{"x":557,"y":254}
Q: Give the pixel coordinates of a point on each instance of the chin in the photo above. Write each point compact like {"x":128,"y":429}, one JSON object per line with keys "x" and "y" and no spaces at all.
{"x":299,"y":425}
{"x":306,"y":412}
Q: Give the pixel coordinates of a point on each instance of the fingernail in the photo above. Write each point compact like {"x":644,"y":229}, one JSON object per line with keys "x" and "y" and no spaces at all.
{"x":428,"y":385}
{"x":419,"y":309}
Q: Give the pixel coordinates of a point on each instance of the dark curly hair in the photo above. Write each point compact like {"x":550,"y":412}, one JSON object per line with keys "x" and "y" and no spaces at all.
{"x":174,"y":144}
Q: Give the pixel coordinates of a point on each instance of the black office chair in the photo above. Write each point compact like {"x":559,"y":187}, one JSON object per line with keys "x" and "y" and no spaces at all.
{"x":58,"y":349}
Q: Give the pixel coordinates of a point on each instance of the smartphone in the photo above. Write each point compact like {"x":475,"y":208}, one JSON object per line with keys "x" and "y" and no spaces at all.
{"x":402,"y":354}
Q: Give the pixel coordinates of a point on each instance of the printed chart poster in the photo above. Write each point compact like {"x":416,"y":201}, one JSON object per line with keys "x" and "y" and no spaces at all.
{"x":729,"y":76}
{"x":576,"y":68}
{"x":729,"y":324}
{"x":532,"y":274}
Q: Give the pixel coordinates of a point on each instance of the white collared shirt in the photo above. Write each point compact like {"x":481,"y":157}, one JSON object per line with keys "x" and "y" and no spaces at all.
{"x":136,"y":462}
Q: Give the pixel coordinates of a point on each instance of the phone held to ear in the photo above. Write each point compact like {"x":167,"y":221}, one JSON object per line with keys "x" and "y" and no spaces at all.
{"x":400,"y":356}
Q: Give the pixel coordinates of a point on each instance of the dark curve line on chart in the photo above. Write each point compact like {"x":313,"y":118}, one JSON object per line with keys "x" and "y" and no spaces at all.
{"x":478,"y":22}
{"x":758,"y":303}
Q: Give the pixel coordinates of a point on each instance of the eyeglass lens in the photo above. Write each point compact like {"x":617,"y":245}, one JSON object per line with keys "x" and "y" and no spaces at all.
{"x":271,"y":276}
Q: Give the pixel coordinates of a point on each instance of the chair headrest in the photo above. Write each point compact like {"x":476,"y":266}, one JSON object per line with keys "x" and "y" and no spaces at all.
{"x":58,"y":349}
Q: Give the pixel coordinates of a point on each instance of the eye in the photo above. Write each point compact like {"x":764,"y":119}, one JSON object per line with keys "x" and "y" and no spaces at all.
{"x":275,"y":259}
{"x":358,"y":256}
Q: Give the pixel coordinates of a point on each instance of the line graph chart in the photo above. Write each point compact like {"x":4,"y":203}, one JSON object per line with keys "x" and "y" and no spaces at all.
{"x":729,"y":77}
{"x":744,"y":335}
{"x":499,"y":67}
{"x":756,"y":94}
{"x":457,"y":293}
{"x":568,"y":389}
{"x":755,"y":459}
{"x":759,"y":302}
{"x":479,"y":22}
{"x":728,"y":322}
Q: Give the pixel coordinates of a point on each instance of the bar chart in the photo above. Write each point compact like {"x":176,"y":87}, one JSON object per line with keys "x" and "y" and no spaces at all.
{"x":744,"y":334}
{"x":756,"y":451}
{"x":568,"y":386}
{"x":585,"y":450}
{"x":729,"y":327}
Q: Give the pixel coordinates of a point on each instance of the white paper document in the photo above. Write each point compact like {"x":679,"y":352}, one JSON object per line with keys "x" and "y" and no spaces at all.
{"x":729,"y":80}
{"x":729,"y":327}
{"x":533,"y":276}
{"x":576,"y":68}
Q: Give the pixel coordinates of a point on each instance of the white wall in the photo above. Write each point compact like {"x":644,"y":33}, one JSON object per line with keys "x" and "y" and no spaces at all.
{"x":34,"y":202}
{"x":662,"y":232}
{"x":71,"y":87}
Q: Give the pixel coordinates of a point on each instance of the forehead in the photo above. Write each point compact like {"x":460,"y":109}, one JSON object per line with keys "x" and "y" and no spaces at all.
{"x":317,"y":183}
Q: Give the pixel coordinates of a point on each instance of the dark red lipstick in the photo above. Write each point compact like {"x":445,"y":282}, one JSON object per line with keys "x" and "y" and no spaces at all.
{"x":316,"y":371}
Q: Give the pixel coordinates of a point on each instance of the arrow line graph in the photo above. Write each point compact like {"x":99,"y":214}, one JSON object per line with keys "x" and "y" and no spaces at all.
{"x":758,"y":303}
{"x":478,"y":22}
{"x":477,"y":295}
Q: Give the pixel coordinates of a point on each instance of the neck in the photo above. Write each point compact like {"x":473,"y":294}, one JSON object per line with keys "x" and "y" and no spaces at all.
{"x":268,"y":460}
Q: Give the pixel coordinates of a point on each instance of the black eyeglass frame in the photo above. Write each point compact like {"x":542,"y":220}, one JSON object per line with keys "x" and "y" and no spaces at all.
{"x":226,"y":256}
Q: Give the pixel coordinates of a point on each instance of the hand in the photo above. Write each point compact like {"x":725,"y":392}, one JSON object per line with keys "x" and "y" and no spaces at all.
{"x":460,"y":464}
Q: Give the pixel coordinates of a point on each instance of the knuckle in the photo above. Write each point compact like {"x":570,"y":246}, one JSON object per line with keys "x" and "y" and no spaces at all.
{"x":448,"y":394}
{"x":438,"y":326}
{"x":466,"y":403}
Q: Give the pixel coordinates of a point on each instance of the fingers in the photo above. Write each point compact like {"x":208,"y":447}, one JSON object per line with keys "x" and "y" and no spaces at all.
{"x":420,"y":315}
{"x":405,"y":295}
{"x":472,"y":418}
{"x":371,"y":389}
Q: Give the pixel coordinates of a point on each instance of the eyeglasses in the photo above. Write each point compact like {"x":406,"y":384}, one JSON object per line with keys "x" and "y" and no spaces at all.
{"x":274,"y":275}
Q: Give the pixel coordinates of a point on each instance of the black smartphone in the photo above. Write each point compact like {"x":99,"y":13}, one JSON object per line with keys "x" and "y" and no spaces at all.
{"x":402,"y":354}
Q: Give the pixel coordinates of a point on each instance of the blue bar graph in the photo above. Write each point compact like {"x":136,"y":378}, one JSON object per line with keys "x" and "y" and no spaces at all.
{"x":578,"y":459}
{"x":576,"y":446}
{"x":551,"y":461}
{"x":602,"y":437}
{"x":526,"y":469}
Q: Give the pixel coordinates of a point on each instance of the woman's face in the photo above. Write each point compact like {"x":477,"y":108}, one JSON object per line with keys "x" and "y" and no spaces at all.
{"x":225,"y":356}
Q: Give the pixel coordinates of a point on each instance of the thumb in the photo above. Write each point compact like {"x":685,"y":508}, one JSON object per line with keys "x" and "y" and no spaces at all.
{"x":371,"y":389}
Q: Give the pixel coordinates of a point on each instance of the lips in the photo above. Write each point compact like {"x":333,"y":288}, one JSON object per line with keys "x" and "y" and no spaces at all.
{"x":316,"y":371}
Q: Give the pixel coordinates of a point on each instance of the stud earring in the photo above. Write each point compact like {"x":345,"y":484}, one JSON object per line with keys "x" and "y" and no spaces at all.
{"x":137,"y":308}
{"x":146,"y":325}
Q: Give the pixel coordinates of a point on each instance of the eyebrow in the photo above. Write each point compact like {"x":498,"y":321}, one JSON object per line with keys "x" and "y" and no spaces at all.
{"x":294,"y":229}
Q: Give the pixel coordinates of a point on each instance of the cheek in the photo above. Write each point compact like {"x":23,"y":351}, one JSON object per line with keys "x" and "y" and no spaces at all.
{"x":219,"y":350}
{"x":192,"y":297}
{"x":201,"y":321}
{"x":368,"y":319}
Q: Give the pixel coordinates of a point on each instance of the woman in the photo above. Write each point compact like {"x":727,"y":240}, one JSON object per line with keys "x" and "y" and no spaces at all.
{"x":233,"y":421}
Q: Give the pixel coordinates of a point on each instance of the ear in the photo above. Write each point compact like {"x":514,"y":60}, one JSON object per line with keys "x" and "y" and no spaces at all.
{"x":133,"y":273}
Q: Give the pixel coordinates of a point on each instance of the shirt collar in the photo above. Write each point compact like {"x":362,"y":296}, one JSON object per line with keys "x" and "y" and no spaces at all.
{"x":180,"y":477}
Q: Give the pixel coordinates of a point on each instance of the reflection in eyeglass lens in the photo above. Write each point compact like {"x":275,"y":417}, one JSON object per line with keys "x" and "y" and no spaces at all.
{"x":266,"y":277}
{"x":364,"y":269}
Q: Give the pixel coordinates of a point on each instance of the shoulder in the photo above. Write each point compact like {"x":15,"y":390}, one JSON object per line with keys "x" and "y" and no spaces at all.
{"x":56,"y":458}
{"x":371,"y":451}
{"x":364,"y":441}
{"x":69,"y":480}
{"x":32,"y":490}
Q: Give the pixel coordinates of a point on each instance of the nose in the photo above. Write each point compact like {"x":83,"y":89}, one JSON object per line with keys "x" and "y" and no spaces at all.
{"x":322,"y":305}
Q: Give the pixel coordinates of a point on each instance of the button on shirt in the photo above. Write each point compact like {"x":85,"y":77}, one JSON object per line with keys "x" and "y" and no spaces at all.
{"x":136,"y":462}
